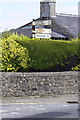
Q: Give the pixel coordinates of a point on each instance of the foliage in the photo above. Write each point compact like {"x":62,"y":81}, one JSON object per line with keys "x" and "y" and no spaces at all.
{"x":77,"y":68}
{"x":13,"y":56}
{"x":5,"y":34}
{"x":22,"y":54}
{"x":45,"y":54}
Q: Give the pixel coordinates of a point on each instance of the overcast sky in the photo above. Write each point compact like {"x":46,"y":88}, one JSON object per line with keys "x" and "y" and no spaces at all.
{"x":15,"y":13}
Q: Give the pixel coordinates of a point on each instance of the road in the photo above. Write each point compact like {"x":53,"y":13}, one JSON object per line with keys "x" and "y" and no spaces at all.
{"x":39,"y":110}
{"x":44,"y":108}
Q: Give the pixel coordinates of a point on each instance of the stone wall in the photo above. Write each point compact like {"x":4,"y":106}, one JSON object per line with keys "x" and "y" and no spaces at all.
{"x":39,"y":84}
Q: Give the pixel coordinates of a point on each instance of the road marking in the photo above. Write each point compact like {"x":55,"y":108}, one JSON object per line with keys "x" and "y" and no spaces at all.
{"x":14,"y":113}
{"x":65,"y":105}
{"x":3,"y":111}
{"x":4,"y":114}
{"x":41,"y":105}
{"x":17,"y":108}
{"x":31,"y":107}
{"x":40,"y":109}
{"x":16,"y":103}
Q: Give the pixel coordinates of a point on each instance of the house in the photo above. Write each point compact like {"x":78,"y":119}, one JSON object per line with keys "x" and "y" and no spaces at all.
{"x":63,"y":26}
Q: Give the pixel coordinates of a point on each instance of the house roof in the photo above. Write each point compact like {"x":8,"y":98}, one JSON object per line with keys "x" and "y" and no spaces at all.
{"x":64,"y":24}
{"x":69,"y":21}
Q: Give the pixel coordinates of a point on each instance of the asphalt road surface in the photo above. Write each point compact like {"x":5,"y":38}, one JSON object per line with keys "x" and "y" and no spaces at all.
{"x":36,"y":110}
{"x":45,"y":109}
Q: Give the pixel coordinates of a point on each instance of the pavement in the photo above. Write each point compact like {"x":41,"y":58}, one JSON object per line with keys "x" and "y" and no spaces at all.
{"x":47,"y":99}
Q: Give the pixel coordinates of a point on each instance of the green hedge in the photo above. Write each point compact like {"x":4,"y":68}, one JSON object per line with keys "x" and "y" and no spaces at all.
{"x":22,"y":54}
{"x":46,"y":54}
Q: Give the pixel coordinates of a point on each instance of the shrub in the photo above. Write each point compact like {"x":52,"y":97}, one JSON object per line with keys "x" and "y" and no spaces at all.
{"x":13,"y":56}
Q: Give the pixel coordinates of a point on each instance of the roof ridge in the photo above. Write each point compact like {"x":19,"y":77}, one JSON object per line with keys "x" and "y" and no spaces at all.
{"x":66,"y":14}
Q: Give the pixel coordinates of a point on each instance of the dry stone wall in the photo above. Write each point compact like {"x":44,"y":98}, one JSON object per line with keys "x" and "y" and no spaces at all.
{"x":38,"y":84}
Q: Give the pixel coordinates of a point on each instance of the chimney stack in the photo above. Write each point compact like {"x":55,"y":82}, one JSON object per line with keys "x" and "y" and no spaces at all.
{"x":47,"y":8}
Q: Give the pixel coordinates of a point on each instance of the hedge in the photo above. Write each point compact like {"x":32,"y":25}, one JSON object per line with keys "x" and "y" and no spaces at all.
{"x":45,"y":54}
{"x":23,"y":54}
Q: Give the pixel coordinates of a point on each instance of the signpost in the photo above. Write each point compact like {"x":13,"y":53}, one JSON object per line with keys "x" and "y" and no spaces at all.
{"x":41,"y":32}
{"x":46,"y":36}
{"x":41,"y":22}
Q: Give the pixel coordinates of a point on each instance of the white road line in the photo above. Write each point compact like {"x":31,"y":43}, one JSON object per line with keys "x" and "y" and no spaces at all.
{"x":4,"y":114}
{"x":41,"y":105}
{"x":31,"y":107}
{"x":3,"y":111}
{"x":14,"y":113}
{"x":17,"y":108}
{"x":40,"y":109}
{"x":65,"y":105}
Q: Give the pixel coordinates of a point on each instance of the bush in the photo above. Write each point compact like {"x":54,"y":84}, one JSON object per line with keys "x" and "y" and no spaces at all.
{"x":13,"y":56}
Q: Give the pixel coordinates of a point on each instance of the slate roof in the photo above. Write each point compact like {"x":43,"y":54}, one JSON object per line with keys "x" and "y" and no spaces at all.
{"x":68,"y":21}
{"x":62,"y":25}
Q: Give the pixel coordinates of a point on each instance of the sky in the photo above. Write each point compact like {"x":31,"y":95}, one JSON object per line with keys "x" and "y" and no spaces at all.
{"x":15,"y":13}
